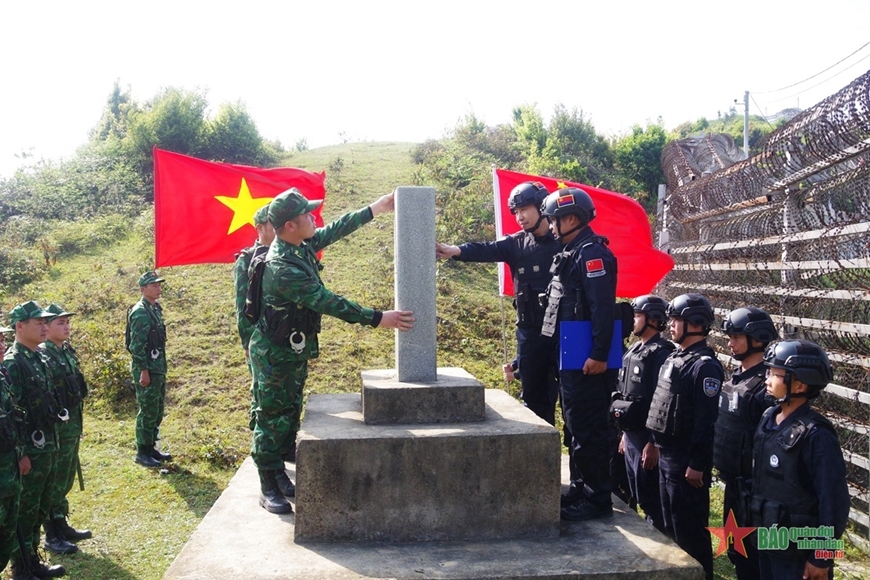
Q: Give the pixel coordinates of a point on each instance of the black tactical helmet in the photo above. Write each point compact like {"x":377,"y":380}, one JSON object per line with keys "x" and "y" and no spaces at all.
{"x":753,"y":322}
{"x":692,"y":307}
{"x":655,"y":308}
{"x":527,"y":193}
{"x":651,"y":305}
{"x":803,"y":359}
{"x":567,"y":201}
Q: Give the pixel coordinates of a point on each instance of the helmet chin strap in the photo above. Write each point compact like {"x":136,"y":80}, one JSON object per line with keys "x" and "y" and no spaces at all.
{"x":687,"y":334}
{"x":788,"y":394}
{"x":749,"y":350}
{"x":537,"y":224}
{"x":561,"y":234}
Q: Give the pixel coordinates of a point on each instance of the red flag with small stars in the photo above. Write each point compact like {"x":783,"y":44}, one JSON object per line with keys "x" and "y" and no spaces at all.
{"x":619,"y":218}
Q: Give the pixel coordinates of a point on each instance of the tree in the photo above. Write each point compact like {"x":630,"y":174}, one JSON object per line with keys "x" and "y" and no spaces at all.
{"x":232,"y":136}
{"x":115,"y":120}
{"x":173,"y":120}
{"x":637,"y":158}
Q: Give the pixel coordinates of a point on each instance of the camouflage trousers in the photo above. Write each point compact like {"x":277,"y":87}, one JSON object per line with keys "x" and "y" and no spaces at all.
{"x":279,"y":409}
{"x":8,"y":521}
{"x":68,"y":437}
{"x":254,"y":403}
{"x":150,"y":400}
{"x":35,"y":500}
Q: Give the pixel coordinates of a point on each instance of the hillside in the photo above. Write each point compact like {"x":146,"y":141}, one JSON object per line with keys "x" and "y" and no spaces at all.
{"x":142,"y":518}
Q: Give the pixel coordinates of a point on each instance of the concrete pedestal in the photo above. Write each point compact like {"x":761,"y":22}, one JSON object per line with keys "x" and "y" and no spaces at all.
{"x":454,"y":397}
{"x":491,"y":479}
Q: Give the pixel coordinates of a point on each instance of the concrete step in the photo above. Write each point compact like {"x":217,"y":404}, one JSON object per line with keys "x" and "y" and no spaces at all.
{"x":239,"y":540}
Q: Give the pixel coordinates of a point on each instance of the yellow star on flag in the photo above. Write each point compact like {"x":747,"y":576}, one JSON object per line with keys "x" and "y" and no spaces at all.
{"x":244,"y":206}
{"x":560,"y":185}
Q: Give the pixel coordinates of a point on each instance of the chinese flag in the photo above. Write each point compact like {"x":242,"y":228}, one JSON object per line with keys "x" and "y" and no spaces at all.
{"x":204,"y":211}
{"x":617,"y":217}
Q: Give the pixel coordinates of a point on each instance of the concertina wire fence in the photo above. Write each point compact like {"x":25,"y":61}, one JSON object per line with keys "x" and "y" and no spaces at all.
{"x":787,"y":231}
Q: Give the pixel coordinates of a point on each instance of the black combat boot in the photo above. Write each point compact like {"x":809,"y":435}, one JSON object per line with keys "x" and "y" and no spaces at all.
{"x":271,"y":498}
{"x":143,"y":457}
{"x":42,"y":569}
{"x":160,"y":456}
{"x":285,"y":485}
{"x":55,"y":542}
{"x":69,"y":533}
{"x":20,"y":571}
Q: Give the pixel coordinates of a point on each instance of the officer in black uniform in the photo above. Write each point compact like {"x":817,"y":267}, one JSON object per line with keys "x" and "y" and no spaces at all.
{"x":583,"y":288}
{"x":630,"y":406}
{"x":798,"y":474}
{"x":529,"y":255}
{"x":741,"y":403}
{"x":681,"y":418}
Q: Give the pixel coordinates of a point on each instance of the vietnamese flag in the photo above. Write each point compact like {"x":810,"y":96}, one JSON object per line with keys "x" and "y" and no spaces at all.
{"x":618,"y":218}
{"x":204,"y":211}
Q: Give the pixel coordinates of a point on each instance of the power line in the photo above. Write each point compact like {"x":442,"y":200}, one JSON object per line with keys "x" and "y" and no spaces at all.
{"x":817,"y":74}
{"x":820,"y":83}
{"x":763,"y":116}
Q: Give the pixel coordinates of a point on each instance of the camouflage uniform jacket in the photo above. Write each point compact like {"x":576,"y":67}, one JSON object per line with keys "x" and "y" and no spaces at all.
{"x":292,"y":279}
{"x":32,"y":391}
{"x":240,"y":277}
{"x":10,"y":482}
{"x":143,"y":318}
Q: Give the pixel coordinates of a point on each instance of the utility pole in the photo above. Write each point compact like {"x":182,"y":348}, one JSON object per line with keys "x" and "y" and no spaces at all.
{"x":746,"y":123}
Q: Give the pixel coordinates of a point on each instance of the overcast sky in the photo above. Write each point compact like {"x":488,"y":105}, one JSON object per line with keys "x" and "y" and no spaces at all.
{"x":406,"y":71}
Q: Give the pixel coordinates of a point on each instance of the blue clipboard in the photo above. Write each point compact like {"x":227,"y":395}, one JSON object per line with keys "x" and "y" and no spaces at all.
{"x":575,"y":345}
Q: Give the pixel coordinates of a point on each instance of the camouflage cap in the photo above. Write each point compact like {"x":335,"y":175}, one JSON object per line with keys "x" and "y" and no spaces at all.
{"x":262,"y":215}
{"x":149,"y":277}
{"x":289,"y":204}
{"x":57,"y":311}
{"x":26,"y":311}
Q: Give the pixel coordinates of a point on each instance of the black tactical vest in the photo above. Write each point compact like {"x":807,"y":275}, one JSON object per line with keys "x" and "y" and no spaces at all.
{"x":40,"y":404}
{"x":70,"y":387}
{"x":732,"y":441}
{"x":531,"y":277}
{"x":778,"y":497}
{"x":672,"y":409}
{"x":636,"y":385}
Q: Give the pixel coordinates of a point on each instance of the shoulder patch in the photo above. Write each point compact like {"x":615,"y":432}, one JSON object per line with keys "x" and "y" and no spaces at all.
{"x":595,"y":268}
{"x":712,"y":386}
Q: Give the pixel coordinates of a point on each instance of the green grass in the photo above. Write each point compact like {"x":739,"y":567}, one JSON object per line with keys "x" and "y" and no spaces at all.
{"x":142,"y":518}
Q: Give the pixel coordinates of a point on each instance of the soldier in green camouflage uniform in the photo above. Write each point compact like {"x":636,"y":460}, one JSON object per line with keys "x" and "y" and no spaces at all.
{"x":10,"y":469}
{"x":265,"y":236}
{"x":32,"y":392}
{"x":70,"y":388}
{"x":294,"y":298}
{"x":147,"y":345}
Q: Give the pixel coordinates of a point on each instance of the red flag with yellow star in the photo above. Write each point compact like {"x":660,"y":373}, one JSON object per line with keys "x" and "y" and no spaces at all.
{"x":204,"y":211}
{"x":618,"y":218}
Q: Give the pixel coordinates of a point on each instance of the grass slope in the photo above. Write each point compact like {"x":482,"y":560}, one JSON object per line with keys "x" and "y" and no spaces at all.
{"x":142,"y":518}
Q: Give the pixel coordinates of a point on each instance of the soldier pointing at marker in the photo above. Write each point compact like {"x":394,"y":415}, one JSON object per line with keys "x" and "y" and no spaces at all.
{"x":294,"y":299}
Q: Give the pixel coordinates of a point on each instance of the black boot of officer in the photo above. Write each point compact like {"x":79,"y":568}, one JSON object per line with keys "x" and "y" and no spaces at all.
{"x":55,"y":541}
{"x":160,"y":456}
{"x":285,"y":485}
{"x":143,"y":457}
{"x":69,"y":533}
{"x":19,"y":572}
{"x":38,"y":569}
{"x":271,"y":498}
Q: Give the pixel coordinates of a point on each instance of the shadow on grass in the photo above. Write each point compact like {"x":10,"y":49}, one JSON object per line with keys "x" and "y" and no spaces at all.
{"x":92,"y":567}
{"x":197,"y":491}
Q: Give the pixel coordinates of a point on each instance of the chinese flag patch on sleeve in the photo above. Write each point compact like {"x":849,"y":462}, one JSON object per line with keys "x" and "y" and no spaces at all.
{"x":595,"y":268}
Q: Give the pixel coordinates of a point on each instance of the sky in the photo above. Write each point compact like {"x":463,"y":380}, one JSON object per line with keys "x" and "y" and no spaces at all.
{"x":331,"y":72}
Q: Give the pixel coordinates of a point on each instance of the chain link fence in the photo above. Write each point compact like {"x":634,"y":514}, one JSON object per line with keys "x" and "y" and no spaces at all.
{"x":786,"y":230}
